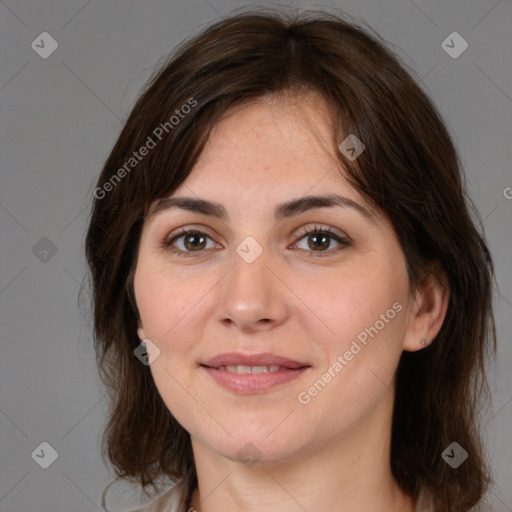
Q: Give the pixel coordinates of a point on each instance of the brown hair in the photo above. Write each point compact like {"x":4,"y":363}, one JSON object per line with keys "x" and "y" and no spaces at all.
{"x":410,"y":170}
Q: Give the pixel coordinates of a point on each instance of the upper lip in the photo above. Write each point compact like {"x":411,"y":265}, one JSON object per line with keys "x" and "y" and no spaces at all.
{"x":263,"y":359}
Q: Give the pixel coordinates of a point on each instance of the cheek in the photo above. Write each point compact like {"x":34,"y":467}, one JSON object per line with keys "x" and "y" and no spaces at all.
{"x":164,"y":300}
{"x":359,"y":301}
{"x":165,"y":309}
{"x":364,"y":316}
{"x":361,"y":362}
{"x":167,"y":304}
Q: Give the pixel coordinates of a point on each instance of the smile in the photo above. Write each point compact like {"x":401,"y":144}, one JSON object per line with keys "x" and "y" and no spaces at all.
{"x":253,"y":373}
{"x":248,"y":380}
{"x":242,"y":369}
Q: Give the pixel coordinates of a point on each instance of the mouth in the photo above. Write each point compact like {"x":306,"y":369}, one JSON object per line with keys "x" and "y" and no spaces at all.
{"x":253,"y":373}
{"x":245,"y":370}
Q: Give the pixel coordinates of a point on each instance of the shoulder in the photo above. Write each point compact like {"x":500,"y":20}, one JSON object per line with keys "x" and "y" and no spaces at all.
{"x":172,"y":500}
{"x":424,"y":502}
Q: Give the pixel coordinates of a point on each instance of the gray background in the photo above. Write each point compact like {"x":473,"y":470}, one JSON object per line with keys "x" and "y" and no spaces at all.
{"x":59,"y":119}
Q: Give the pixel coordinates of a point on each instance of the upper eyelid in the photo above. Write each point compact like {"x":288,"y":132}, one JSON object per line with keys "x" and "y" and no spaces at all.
{"x":320,"y":227}
{"x":179,"y":232}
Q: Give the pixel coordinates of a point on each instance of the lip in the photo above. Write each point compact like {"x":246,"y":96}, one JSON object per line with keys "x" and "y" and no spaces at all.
{"x":263,"y":359}
{"x":253,"y":383}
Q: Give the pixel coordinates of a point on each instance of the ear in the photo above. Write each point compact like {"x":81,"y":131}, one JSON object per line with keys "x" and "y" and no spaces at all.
{"x":140,"y":331}
{"x":428,"y":311}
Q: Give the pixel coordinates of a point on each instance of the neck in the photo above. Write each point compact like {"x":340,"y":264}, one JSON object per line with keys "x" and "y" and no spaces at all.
{"x":349,"y":473}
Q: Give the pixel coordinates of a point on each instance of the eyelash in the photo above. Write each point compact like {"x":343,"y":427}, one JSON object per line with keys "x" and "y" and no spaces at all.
{"x":167,"y":243}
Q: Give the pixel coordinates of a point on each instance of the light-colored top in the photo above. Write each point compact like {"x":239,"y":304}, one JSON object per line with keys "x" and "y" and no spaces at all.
{"x":173,"y":499}
{"x":120,"y":496}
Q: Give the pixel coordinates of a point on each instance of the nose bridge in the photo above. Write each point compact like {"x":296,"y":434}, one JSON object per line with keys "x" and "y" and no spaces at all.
{"x":248,"y":283}
{"x":251,"y":294}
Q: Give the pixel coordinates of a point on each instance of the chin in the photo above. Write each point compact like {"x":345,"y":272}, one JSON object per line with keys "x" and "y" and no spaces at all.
{"x":250,"y":451}
{"x":255,"y":441}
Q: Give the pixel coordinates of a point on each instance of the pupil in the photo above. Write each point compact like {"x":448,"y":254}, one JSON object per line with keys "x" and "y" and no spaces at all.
{"x":192,"y":245}
{"x":324,"y":241}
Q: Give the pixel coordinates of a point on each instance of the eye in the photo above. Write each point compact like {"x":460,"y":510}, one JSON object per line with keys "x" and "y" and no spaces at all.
{"x":319,"y":240}
{"x":189,"y":241}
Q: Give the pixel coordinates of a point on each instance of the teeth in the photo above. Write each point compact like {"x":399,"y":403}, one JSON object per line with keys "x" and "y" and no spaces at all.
{"x":239,"y":369}
{"x":250,"y":369}
{"x":260,"y":369}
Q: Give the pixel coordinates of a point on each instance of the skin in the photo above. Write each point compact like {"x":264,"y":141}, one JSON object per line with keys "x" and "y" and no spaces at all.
{"x":333,"y":452}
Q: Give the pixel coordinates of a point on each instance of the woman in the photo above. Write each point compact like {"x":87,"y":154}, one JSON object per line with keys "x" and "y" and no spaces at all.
{"x":292,"y":303}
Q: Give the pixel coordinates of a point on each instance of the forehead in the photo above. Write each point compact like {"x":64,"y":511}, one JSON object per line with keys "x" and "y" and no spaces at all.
{"x":271,"y":144}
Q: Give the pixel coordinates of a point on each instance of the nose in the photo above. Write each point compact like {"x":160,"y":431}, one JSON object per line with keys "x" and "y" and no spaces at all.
{"x":252,"y":296}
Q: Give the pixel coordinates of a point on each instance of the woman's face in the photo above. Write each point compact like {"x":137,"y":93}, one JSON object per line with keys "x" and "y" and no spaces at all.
{"x":257,"y":283}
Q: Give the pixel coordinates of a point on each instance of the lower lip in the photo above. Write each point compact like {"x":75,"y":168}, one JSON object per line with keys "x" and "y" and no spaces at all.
{"x":253,"y":382}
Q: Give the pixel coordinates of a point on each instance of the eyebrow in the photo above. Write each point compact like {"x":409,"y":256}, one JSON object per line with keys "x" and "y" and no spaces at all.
{"x":281,"y":211}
